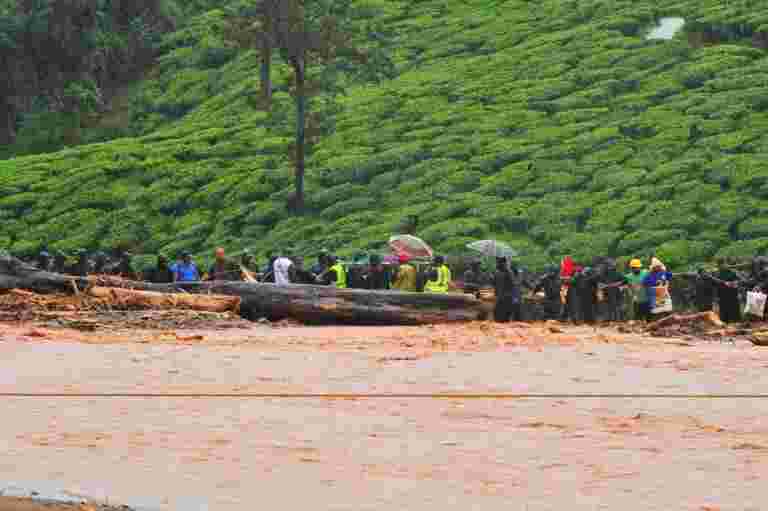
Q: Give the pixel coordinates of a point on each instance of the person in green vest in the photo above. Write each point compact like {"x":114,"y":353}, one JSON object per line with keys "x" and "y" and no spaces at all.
{"x":440,"y":277}
{"x":336,"y":274}
{"x":639,"y":309}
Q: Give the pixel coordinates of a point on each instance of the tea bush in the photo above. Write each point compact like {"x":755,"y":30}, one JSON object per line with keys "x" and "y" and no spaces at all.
{"x":560,"y":132}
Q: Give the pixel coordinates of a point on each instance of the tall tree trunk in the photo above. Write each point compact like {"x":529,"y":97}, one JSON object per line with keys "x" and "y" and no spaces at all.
{"x":7,"y":123}
{"x":301,"y":120}
{"x":266,"y":75}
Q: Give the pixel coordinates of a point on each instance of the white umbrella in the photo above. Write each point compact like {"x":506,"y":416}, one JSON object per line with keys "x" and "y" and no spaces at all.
{"x":493,"y":248}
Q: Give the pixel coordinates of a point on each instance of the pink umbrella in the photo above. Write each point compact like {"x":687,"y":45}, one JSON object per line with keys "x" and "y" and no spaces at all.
{"x":410,"y":246}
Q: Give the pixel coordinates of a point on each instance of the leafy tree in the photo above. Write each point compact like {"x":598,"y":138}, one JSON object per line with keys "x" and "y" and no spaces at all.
{"x":307,"y":34}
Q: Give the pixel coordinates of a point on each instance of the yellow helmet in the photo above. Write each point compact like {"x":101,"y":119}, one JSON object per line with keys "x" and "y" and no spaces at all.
{"x":635,"y":263}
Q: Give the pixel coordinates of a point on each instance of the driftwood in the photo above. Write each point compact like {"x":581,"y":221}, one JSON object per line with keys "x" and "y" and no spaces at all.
{"x":153,"y":300}
{"x":705,"y":319}
{"x":301,"y":302}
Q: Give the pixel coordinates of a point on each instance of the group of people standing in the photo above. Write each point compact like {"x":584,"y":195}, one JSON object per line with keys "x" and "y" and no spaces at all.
{"x":570,"y":292}
{"x":406,"y":276}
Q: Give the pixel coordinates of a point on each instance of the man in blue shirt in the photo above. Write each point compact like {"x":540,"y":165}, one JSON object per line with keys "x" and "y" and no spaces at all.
{"x":186,"y":271}
{"x":657,"y":277}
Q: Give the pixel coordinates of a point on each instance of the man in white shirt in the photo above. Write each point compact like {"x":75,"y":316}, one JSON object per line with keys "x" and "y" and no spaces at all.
{"x":282,"y":270}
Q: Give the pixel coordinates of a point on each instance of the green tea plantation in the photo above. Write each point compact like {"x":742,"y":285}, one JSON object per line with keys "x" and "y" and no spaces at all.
{"x":557,"y":126}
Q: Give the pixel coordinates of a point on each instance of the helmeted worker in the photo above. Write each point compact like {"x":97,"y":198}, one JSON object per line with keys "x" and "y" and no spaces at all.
{"x":640,"y":309}
{"x":441,"y":278}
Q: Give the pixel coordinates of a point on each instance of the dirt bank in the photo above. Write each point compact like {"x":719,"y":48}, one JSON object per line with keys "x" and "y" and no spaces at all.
{"x":23,"y":504}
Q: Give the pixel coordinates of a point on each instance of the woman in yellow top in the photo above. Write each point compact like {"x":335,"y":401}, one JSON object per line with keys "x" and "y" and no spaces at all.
{"x":442,"y":277}
{"x":405,"y":280}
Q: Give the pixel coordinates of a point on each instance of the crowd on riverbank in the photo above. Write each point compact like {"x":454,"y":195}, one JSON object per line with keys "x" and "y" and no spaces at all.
{"x":576,"y":292}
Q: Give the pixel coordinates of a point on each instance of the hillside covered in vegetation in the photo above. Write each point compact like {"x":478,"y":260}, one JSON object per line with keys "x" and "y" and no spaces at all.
{"x":556,"y":126}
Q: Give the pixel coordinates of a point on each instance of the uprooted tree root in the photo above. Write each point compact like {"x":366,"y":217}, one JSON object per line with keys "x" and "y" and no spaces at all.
{"x":706,"y":326}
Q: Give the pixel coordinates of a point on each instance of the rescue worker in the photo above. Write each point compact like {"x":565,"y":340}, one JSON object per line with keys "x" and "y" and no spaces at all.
{"x":405,"y":279}
{"x":336,"y":274}
{"x":612,"y":283}
{"x":44,"y":260}
{"x":507,"y":283}
{"x":639,"y":298}
{"x":247,"y":261}
{"x":186,"y":270}
{"x":281,"y":269}
{"x":728,"y":292}
{"x":160,"y":274}
{"x":656,"y":278}
{"x":377,"y":276}
{"x":475,"y":279}
{"x":551,"y":285}
{"x":124,"y":267}
{"x":322,"y":263}
{"x":440,"y":277}
{"x":299,"y":274}
{"x":83,"y":265}
{"x":222,"y":268}
{"x":585,"y":287}
{"x":248,"y":266}
{"x":268,"y":274}
{"x":706,"y":289}
{"x":59,"y":262}
{"x":100,"y":262}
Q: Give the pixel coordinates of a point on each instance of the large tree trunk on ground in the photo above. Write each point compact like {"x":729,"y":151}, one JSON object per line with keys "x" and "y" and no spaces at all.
{"x":304,"y":303}
{"x":15,"y":274}
{"x":155,"y":300}
{"x":320,"y":303}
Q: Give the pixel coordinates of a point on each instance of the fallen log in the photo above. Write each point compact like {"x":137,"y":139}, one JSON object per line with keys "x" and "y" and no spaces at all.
{"x":15,"y":274}
{"x":302,"y":302}
{"x":328,"y":304}
{"x":130,"y":298}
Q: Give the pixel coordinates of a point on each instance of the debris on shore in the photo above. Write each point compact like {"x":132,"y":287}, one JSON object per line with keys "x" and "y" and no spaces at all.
{"x":30,"y":504}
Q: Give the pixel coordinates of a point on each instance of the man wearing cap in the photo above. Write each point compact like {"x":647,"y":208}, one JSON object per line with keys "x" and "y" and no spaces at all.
{"x":405,"y":279}
{"x":639,"y":309}
{"x":222,"y":268}
{"x":186,"y":270}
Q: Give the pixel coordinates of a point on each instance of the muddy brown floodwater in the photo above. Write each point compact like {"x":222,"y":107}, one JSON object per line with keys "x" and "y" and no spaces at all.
{"x":386,"y":454}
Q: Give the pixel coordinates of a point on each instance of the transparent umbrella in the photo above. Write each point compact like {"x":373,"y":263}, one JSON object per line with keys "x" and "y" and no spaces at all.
{"x":405,"y":244}
{"x":493,"y":248}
